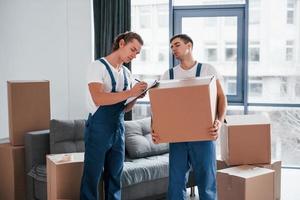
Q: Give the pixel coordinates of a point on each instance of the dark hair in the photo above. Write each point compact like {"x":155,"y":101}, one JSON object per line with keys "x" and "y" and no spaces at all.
{"x":128,"y":36}
{"x":183,"y":37}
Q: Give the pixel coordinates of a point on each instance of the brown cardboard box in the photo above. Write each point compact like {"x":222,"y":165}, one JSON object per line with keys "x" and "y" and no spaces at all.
{"x":64,"y":177}
{"x":246,"y":139}
{"x":245,"y":183}
{"x":276,"y":166}
{"x":12,"y":172}
{"x":28,"y":108}
{"x":184,"y":110}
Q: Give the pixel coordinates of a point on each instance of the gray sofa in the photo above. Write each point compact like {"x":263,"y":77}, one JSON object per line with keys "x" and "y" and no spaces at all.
{"x":145,"y":173}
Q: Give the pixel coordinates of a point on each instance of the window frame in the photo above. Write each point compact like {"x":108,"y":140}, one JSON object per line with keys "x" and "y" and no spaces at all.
{"x":236,"y":10}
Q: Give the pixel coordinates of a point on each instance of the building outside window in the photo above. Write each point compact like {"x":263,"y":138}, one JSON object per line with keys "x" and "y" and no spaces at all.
{"x":229,"y":21}
{"x":230,"y":52}
{"x":163,"y":16}
{"x":230,"y":85}
{"x":254,"y":11}
{"x":283,"y":86}
{"x":297,"y":87}
{"x":210,"y":52}
{"x":289,"y":52}
{"x":290,"y":14}
{"x":255,"y":87}
{"x":254,"y":52}
{"x":145,"y":16}
{"x":145,"y":53}
{"x":163,"y":54}
{"x":211,"y":22}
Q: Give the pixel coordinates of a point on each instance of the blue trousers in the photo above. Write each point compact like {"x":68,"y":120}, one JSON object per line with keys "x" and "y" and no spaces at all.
{"x":201,"y":156}
{"x":104,"y":151}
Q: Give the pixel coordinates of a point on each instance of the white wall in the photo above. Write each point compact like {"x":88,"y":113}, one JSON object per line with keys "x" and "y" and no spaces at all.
{"x":46,"y":39}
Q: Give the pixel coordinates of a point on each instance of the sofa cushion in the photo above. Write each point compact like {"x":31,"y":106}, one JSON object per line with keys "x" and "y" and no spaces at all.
{"x":138,"y":140}
{"x":145,"y":169}
{"x":66,"y":136}
{"x":135,"y":170}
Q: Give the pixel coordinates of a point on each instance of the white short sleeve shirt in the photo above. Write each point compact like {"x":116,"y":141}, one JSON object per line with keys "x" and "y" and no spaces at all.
{"x":180,"y":73}
{"x":98,"y":73}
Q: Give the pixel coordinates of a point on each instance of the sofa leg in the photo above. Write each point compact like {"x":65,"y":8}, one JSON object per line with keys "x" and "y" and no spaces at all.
{"x":192,"y":191}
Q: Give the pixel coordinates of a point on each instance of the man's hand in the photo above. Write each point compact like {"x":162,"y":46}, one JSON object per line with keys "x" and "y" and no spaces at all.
{"x":138,"y":88}
{"x":142,"y":95}
{"x":155,"y":137}
{"x":215,"y":130}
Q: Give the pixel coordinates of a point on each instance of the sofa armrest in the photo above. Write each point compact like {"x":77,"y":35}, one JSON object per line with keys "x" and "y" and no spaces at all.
{"x":36,"y":148}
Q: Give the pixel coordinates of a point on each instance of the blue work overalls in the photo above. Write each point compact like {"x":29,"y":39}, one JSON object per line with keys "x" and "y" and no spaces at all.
{"x":104,"y":148}
{"x":201,"y":155}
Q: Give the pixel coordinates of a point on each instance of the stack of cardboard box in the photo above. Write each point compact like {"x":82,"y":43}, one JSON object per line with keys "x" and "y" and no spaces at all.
{"x":184,"y":110}
{"x":28,"y":110}
{"x":246,"y":150}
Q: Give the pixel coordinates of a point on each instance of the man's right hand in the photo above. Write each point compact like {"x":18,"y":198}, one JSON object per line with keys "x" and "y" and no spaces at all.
{"x":138,"y":88}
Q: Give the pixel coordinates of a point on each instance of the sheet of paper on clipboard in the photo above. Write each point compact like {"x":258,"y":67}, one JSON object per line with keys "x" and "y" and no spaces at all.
{"x":150,"y":85}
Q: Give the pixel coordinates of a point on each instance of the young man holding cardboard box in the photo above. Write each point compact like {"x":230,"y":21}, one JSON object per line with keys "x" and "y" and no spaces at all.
{"x":200,"y":155}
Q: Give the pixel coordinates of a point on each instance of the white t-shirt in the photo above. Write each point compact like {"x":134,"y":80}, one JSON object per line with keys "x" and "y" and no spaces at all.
{"x":180,"y":73}
{"x":98,"y":73}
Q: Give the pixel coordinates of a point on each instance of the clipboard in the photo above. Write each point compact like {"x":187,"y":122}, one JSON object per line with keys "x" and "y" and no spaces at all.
{"x":153,"y":85}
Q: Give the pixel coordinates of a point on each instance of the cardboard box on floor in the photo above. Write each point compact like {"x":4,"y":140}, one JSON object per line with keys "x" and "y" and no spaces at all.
{"x":28,"y":108}
{"x":64,"y":176}
{"x":184,"y":110}
{"x":246,"y":139}
{"x":245,"y":183}
{"x":12,"y":172}
{"x":276,"y":166}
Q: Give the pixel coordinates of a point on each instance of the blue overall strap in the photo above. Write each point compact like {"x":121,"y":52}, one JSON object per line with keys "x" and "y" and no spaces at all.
{"x":171,"y":73}
{"x":125,"y":79}
{"x":113,"y":81}
{"x":198,"y":69}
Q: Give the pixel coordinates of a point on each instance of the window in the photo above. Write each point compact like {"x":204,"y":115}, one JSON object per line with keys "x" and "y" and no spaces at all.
{"x":230,"y":85}
{"x":255,"y":87}
{"x":297,"y":87}
{"x":285,"y":132}
{"x":206,"y":2}
{"x":272,"y":56}
{"x":254,"y":52}
{"x":283,"y":86}
{"x":145,"y":16}
{"x":230,"y":21}
{"x":290,"y":11}
{"x":230,"y":52}
{"x":153,"y":25}
{"x":211,"y":22}
{"x":289,"y":52}
{"x":144,"y":54}
{"x":216,"y":45}
{"x":163,"y":55}
{"x":163,"y":16}
{"x":254,"y":12}
{"x":210,"y":52}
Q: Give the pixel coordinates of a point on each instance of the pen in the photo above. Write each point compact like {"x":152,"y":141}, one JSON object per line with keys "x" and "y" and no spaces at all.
{"x":137,"y":80}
